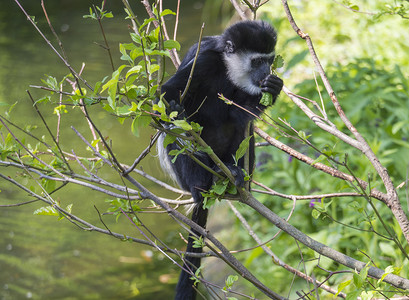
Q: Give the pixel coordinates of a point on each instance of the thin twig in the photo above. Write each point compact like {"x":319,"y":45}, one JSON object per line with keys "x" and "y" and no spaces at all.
{"x":49,"y":131}
{"x":173,"y":54}
{"x":19,"y":204}
{"x":331,"y":171}
{"x":320,"y":248}
{"x":143,"y":154}
{"x":193,"y":65}
{"x":30,"y":152}
{"x":53,"y":31}
{"x":237,"y":7}
{"x":275,"y":258}
{"x":175,"y":30}
{"x":229,"y":258}
{"x":98,"y":15}
{"x":272,"y":192}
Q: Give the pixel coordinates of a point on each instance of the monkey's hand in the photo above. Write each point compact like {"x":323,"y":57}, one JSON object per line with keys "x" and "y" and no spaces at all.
{"x":237,"y":173}
{"x":174,"y":106}
{"x":272,"y":85}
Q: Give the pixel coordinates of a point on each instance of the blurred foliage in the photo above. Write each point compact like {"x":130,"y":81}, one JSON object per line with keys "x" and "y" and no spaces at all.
{"x":376,"y":102}
{"x":340,"y":34}
{"x":365,"y":57}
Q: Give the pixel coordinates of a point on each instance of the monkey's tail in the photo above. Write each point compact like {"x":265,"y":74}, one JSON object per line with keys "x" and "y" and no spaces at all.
{"x":185,"y":289}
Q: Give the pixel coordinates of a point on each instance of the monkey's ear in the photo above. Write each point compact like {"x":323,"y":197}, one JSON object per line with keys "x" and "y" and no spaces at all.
{"x":229,"y":48}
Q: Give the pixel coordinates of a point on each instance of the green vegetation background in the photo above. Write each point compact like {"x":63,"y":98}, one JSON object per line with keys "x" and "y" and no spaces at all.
{"x":366,"y":58}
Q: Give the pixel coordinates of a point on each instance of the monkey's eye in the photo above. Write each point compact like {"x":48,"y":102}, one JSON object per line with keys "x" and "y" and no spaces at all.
{"x":257,"y":62}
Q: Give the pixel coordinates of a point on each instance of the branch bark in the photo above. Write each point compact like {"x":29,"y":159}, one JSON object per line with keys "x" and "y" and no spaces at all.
{"x":360,"y":143}
{"x":320,"y":248}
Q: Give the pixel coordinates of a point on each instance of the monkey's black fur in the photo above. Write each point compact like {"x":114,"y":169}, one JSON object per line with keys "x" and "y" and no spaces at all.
{"x":235,"y":64}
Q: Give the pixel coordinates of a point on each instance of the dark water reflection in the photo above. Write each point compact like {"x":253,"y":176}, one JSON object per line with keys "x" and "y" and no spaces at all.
{"x":40,"y":257}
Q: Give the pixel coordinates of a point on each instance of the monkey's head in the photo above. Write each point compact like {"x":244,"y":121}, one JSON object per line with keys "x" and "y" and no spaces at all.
{"x":248,"y":52}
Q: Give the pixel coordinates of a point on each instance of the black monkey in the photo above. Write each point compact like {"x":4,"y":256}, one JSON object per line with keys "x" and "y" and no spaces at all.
{"x":237,"y":65}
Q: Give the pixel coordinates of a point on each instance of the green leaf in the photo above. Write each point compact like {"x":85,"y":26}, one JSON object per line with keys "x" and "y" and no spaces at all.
{"x":208,"y":201}
{"x":353,"y":295}
{"x":388,"y":270}
{"x":69,"y":208}
{"x":319,"y":159}
{"x":219,"y":188}
{"x":51,"y":82}
{"x":124,"y":110}
{"x":10,"y":109}
{"x":303,"y":135}
{"x":232,"y":188}
{"x":123,"y":48}
{"x":46,"y":211}
{"x":363,"y":274}
{"x":368,"y":295}
{"x":266,"y":99}
{"x":135,"y":127}
{"x":183,"y":124}
{"x":140,"y":122}
{"x":169,"y":139}
{"x":160,"y":107}
{"x":342,"y":286}
{"x":198,"y":242}
{"x":196,"y":127}
{"x":146,"y":22}
{"x":170,"y":44}
{"x":175,"y":153}
{"x":397,"y":126}
{"x":167,"y":12}
{"x":111,"y":85}
{"x":278,"y":62}
{"x":48,"y":185}
{"x":315,"y":214}
{"x":134,"y":70}
{"x":197,"y":275}
{"x":244,"y":145}
{"x":60,"y":109}
{"x":230,"y":281}
{"x":43,"y":99}
{"x":358,"y":282}
{"x":173,"y":114}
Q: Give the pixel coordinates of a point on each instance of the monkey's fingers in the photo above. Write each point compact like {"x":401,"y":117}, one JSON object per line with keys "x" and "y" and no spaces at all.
{"x":238,"y":175}
{"x":272,"y":84}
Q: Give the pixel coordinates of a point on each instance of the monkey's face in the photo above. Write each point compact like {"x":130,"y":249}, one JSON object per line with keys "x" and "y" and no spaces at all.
{"x":247,"y":70}
{"x":260,"y":67}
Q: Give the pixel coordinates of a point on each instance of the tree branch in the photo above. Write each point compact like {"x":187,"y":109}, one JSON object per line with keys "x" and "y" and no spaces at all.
{"x":392,"y":196}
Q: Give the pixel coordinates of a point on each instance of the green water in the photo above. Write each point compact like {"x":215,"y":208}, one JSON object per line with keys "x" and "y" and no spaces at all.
{"x":40,"y":257}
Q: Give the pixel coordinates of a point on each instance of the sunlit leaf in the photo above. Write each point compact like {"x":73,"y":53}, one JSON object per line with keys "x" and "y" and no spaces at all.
{"x":266,"y":99}
{"x":244,"y":145}
{"x":183,"y":124}
{"x":46,"y":211}
{"x":167,"y":12}
{"x":170,"y":44}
